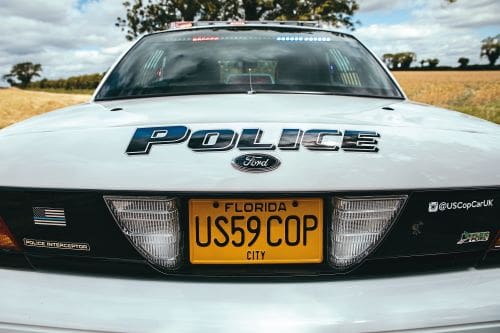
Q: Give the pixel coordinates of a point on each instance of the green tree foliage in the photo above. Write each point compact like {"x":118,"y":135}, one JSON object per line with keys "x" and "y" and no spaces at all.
{"x":433,"y":62}
{"x":82,"y":82}
{"x":491,"y":49}
{"x":406,"y":58}
{"x":400,"y":60}
{"x":22,"y":74}
{"x":463,"y":62}
{"x":389,"y":60}
{"x":154,"y":15}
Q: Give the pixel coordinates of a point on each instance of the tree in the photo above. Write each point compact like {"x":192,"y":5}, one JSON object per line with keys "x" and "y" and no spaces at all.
{"x":463,"y":62}
{"x":406,"y":58}
{"x":24,"y":73}
{"x":156,"y":15}
{"x":433,"y":62}
{"x":491,"y":49}
{"x":422,"y":63}
{"x":390,"y":60}
{"x":401,"y":60}
{"x":87,"y":82}
{"x":336,"y":12}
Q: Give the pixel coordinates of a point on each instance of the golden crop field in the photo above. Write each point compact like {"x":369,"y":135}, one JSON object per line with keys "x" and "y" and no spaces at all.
{"x":475,"y":93}
{"x":17,"y":105}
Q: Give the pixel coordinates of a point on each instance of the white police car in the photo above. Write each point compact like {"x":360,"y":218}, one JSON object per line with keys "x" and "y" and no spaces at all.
{"x":254,"y":177}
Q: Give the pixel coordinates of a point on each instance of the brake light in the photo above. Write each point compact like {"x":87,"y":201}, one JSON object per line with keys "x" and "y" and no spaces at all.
{"x":151,"y":224}
{"x":205,"y":38}
{"x":7,"y":241}
{"x":359,"y":225}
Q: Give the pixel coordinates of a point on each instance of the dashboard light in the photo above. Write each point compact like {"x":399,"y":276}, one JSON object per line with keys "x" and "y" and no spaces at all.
{"x":7,"y":241}
{"x":151,"y":224}
{"x":358,"y":226}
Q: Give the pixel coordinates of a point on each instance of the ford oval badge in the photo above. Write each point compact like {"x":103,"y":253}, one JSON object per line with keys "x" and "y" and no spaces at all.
{"x":256,"y":163}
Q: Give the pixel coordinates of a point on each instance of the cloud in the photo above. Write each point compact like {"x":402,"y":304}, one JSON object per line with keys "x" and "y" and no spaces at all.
{"x":395,"y":32}
{"x":37,"y":10}
{"x":426,"y":40}
{"x":67,"y":37}
{"x":462,"y":14}
{"x":434,"y":29}
{"x":367,"y":6}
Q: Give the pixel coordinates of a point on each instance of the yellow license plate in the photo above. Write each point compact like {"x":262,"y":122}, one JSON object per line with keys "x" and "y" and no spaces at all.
{"x":256,"y":231}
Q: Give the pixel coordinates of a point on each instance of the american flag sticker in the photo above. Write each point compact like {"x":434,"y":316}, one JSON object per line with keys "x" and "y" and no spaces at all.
{"x":49,"y":216}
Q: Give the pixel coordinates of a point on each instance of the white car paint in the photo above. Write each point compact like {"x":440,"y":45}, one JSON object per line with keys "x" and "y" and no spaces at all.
{"x":465,"y":301}
{"x":83,"y":147}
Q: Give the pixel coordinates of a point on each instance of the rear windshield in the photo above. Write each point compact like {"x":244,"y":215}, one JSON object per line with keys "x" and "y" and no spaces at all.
{"x":225,"y":60}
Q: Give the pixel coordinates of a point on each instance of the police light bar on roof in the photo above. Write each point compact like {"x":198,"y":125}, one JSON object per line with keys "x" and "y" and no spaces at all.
{"x":181,"y":25}
{"x":189,"y":24}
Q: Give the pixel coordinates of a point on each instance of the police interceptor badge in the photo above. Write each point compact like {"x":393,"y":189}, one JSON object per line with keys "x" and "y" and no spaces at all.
{"x":56,"y":245}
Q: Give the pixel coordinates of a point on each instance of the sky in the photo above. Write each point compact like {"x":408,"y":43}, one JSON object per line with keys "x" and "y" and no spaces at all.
{"x":73,"y":37}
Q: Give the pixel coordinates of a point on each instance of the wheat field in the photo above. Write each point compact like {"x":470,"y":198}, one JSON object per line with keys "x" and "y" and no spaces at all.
{"x":475,"y":93}
{"x":17,"y":105}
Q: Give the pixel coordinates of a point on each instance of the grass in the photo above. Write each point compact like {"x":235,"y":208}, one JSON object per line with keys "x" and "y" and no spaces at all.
{"x":473,"y":92}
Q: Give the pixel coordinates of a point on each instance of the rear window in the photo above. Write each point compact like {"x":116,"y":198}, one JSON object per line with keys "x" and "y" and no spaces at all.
{"x":239,"y":60}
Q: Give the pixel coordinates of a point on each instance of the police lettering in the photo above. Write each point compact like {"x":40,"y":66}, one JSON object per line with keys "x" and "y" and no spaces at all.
{"x":250,"y":139}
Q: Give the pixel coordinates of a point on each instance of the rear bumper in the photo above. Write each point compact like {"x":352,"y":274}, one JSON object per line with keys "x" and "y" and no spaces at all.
{"x":463,"y":301}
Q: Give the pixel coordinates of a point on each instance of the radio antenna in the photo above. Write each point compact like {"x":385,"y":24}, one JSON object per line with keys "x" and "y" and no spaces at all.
{"x":251,"y":92}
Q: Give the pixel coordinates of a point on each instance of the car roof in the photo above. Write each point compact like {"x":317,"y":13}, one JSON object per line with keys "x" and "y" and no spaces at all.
{"x":295,"y":25}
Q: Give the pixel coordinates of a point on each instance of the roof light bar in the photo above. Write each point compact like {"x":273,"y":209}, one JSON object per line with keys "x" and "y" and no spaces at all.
{"x":7,"y":241}
{"x":151,"y":224}
{"x":358,"y":226}
{"x":181,"y":25}
{"x":188,"y":24}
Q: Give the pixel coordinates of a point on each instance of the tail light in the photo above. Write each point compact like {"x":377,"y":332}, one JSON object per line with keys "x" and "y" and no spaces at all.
{"x":496,"y":245}
{"x":7,"y":241}
{"x":151,"y":224}
{"x":358,"y":226}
